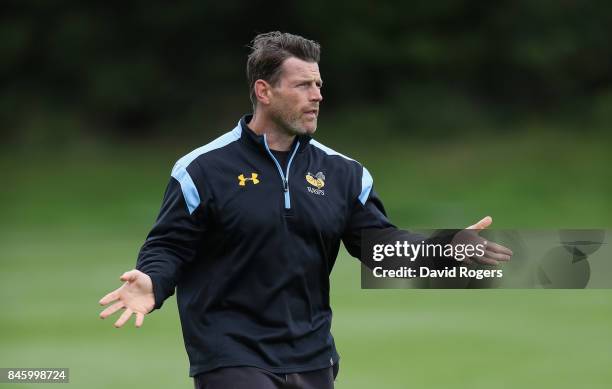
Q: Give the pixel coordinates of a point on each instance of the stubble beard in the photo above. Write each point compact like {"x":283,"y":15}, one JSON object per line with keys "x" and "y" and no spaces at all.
{"x":292,"y":124}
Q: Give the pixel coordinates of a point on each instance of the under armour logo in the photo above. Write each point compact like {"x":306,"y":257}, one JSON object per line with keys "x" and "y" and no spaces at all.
{"x":242,"y":179}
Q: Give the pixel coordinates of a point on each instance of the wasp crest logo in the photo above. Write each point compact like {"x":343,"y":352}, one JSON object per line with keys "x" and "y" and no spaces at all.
{"x":242,"y":180}
{"x":316,"y":180}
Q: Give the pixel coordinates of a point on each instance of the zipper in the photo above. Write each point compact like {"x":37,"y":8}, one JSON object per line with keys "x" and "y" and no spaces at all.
{"x":284,"y":177}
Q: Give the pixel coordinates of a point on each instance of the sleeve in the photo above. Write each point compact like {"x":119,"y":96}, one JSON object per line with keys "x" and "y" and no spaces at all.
{"x":173,"y":241}
{"x":368,"y":213}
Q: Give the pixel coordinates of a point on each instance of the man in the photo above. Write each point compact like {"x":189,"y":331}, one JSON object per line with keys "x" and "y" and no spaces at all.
{"x":249,"y":231}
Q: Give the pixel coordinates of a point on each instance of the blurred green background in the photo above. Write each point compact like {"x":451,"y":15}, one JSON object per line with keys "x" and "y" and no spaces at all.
{"x":459,"y":109}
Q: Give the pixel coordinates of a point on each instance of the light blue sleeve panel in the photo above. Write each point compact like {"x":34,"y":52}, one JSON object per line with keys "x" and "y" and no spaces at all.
{"x":190,"y":193}
{"x":366,"y":186}
{"x":180,"y":173}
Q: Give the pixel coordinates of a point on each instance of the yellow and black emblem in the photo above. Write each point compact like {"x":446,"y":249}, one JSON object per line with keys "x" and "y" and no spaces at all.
{"x":317,"y":180}
{"x":242,"y":180}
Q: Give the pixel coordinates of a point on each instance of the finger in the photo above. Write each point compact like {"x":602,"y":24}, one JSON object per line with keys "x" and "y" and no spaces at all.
{"x":129,"y":276}
{"x":125,"y":316}
{"x":486,"y":261}
{"x":499,"y":248}
{"x":109,"y":298}
{"x":139,"y":319}
{"x":112,"y":309}
{"x":484,"y":223}
{"x":496,"y":256}
{"x":469,"y":237}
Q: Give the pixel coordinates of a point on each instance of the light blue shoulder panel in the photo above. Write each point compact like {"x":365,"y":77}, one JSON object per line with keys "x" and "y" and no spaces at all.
{"x":179,"y":171}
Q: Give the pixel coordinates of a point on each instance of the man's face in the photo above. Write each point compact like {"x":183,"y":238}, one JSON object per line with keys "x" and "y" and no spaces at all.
{"x":294,"y":101}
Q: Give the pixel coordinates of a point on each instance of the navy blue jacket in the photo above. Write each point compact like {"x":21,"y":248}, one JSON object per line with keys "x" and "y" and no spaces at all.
{"x":250,"y":246}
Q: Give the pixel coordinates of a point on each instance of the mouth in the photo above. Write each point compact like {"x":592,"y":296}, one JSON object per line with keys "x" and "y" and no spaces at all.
{"x":312,"y":113}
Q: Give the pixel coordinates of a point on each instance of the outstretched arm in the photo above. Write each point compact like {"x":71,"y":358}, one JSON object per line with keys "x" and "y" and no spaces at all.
{"x":169,"y":248}
{"x":368,"y":213}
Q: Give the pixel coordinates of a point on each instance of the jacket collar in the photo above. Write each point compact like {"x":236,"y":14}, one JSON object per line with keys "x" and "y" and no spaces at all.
{"x":250,"y":137}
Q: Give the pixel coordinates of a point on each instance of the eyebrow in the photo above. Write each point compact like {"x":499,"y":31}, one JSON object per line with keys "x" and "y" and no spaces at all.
{"x":318,"y":81}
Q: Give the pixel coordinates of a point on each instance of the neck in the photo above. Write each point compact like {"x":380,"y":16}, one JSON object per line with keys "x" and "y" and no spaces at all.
{"x":277,"y":138}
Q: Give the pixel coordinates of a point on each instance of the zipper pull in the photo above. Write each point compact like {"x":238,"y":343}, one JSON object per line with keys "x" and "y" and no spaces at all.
{"x":285,"y":185}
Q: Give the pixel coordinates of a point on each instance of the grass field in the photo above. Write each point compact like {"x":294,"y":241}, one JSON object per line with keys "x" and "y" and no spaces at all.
{"x":72,"y":222}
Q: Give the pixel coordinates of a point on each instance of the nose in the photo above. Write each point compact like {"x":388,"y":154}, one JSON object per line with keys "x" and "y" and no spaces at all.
{"x":316,"y":94}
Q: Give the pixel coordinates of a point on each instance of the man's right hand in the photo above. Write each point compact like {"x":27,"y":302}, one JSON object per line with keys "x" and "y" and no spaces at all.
{"x":135,"y":296}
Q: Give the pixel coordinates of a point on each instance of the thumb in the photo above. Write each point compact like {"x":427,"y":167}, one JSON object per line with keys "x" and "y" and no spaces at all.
{"x":484,"y":223}
{"x":129,"y":276}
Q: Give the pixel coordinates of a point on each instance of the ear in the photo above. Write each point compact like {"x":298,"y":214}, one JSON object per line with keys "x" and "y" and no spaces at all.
{"x":262,"y":91}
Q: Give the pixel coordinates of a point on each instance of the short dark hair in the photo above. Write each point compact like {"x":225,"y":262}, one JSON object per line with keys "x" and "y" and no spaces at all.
{"x":268,"y":52}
